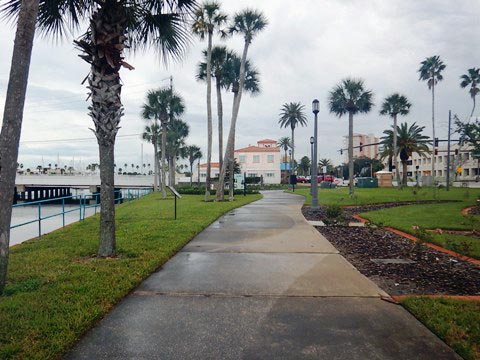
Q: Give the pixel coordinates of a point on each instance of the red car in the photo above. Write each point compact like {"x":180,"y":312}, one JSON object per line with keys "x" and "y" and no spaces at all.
{"x":321,"y":178}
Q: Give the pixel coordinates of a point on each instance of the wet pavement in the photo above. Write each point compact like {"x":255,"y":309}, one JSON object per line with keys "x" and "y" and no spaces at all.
{"x":259,"y":283}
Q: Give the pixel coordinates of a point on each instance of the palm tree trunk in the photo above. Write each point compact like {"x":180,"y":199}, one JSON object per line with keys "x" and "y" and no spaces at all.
{"x":231,"y":135}
{"x":12,"y":123}
{"x":107,"y":200}
{"x":164,"y":164}
{"x":404,"y":175}
{"x":220,"y":123}
{"x":395,"y":152}
{"x":191,"y":174}
{"x":473,"y":109}
{"x":231,"y":187}
{"x":209,"y":117}
{"x":351,"y":183}
{"x":155,"y":165}
{"x":433,"y":132}
{"x":173,"y":170}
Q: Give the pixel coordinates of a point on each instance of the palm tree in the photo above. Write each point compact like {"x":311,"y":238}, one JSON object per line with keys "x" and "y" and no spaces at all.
{"x":27,"y":11}
{"x":219,"y":60}
{"x":304,"y":165}
{"x":410,"y":140}
{"x":249,"y":23}
{"x":292,"y":115}
{"x":112,"y":26}
{"x":431,"y":71}
{"x":177,"y":131}
{"x":193,"y":154}
{"x":393,"y":106}
{"x":325,"y":163}
{"x":152,"y":134}
{"x":208,"y":18}
{"x":472,"y":78}
{"x":284,"y":143}
{"x":350,"y":97}
{"x":163,"y":105}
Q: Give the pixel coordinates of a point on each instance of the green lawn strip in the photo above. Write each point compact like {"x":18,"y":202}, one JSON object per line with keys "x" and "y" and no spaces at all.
{"x":340,"y":196}
{"x":433,"y":216}
{"x":56,"y":288}
{"x":457,"y":322}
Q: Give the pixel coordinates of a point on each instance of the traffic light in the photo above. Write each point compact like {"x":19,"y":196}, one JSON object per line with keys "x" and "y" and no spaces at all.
{"x":341,"y":151}
{"x":361,"y":146}
{"x":436,"y":142}
{"x":456,"y":151}
{"x":436,"y":151}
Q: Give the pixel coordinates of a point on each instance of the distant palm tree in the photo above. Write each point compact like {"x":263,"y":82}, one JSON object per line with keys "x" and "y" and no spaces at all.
{"x":163,"y":105}
{"x":247,"y":23}
{"x":292,"y":115}
{"x":431,"y":71}
{"x":410,"y":140}
{"x":325,"y":163}
{"x":285,"y":144}
{"x":393,"y":106}
{"x":350,"y":97}
{"x":177,"y":131}
{"x":193,"y":154}
{"x":472,"y":79}
{"x":304,"y":165}
{"x":152,"y":134}
{"x":207,"y":19}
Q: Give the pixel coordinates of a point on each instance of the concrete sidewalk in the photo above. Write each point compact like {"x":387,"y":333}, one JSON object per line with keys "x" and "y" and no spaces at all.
{"x":259,"y":283}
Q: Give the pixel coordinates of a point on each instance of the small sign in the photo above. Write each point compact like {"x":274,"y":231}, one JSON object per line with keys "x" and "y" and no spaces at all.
{"x":175,"y":192}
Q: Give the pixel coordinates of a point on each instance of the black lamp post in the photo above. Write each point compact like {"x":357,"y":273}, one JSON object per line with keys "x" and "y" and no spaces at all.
{"x":312,"y":140}
{"x":315,"y":110}
{"x":290,"y":173}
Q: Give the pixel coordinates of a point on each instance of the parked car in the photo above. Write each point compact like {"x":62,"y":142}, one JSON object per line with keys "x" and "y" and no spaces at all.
{"x":301,"y":179}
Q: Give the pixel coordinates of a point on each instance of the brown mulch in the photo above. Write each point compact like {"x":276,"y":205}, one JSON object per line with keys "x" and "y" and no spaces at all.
{"x":432,"y":272}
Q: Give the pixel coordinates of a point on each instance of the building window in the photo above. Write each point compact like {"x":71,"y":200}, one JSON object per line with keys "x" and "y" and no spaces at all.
{"x":269,"y":174}
{"x":466,"y":172}
{"x":256,"y":159}
{"x":440,"y":159}
{"x":203,"y":175}
{"x":252,"y":175}
{"x":270,"y":158}
{"x":243,"y":159}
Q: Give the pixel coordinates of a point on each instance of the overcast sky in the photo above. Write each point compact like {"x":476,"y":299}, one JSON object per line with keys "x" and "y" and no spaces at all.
{"x":307,"y":47}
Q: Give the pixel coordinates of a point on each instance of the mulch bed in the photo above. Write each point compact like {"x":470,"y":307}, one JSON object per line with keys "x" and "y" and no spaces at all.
{"x":349,"y":211}
{"x":432,"y":273}
{"x":474,"y":210}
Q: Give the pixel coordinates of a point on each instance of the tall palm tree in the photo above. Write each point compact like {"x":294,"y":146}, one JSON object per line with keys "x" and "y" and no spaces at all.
{"x":177,"y":131}
{"x":431,"y":71}
{"x":285,"y":144}
{"x":248,"y":23}
{"x":325,"y":163}
{"x":472,"y":79}
{"x":12,"y":122}
{"x":163,"y":104}
{"x":152,"y":134}
{"x":220,"y":58}
{"x":292,"y":115}
{"x":193,"y":154}
{"x":410,"y":140}
{"x":393,"y":106}
{"x":113,"y":26}
{"x":208,"y":18}
{"x":350,"y":97}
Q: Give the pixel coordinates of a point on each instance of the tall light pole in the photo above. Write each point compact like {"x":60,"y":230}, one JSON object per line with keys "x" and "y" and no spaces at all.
{"x":291,"y":167}
{"x":315,"y":110}
{"x":312,"y":140}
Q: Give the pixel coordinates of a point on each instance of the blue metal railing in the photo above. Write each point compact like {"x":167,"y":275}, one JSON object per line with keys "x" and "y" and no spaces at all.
{"x":84,"y":203}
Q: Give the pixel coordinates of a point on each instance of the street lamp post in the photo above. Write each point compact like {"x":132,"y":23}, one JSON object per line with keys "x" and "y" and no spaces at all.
{"x":315,"y":110}
{"x":290,"y":173}
{"x":312,"y":140}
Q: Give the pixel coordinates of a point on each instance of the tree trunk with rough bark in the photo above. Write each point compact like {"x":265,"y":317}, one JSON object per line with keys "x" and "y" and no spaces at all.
{"x":395,"y":150}
{"x":164,"y":164}
{"x":155,"y":165}
{"x":231,"y":188}
{"x":12,"y":123}
{"x":191,"y":174}
{"x":433,"y":133}
{"x":351,"y":183}
{"x":220,"y":124}
{"x":404,"y":175}
{"x":209,"y":117}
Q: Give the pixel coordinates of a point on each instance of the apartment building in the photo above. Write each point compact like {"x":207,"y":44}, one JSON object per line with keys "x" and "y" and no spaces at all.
{"x":361,"y":139}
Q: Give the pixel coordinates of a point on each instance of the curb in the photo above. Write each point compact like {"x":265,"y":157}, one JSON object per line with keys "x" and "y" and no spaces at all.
{"x":475,"y":298}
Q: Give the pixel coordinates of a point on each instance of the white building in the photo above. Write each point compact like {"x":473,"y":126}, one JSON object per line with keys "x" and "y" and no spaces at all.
{"x":262,"y":160}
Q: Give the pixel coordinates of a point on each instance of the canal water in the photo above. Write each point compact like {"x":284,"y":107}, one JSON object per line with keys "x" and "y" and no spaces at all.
{"x":24,"y":214}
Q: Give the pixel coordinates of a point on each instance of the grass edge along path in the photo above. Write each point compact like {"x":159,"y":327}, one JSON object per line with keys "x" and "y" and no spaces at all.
{"x":57,"y":289}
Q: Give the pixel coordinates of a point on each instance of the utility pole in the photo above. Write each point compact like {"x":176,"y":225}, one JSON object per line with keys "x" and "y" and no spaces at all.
{"x":315,"y":110}
{"x":448,"y":148}
{"x":141,"y":158}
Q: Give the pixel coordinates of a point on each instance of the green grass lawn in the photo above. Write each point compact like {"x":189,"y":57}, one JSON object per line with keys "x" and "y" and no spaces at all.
{"x":341,"y":197}
{"x":457,"y":322}
{"x":57,"y":289}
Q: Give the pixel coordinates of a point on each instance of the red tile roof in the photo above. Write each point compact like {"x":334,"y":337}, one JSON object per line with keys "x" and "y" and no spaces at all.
{"x":213,"y":165}
{"x":258,"y":149}
{"x":267,"y":141}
